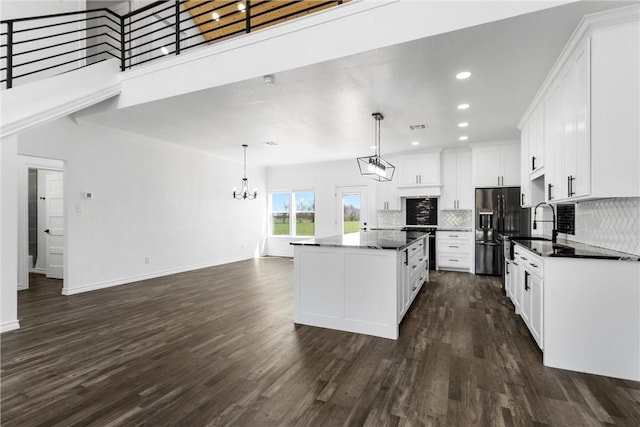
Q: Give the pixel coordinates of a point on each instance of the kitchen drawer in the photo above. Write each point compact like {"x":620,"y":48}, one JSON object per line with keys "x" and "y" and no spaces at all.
{"x":454,"y":235}
{"x":454,"y":246}
{"x":453,"y":260}
{"x":530,"y":261}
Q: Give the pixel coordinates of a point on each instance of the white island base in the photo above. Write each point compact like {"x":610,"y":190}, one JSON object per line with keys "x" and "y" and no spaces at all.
{"x":357,"y":289}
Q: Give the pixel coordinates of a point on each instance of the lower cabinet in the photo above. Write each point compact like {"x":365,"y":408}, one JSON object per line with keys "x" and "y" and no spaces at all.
{"x":527,"y":287}
{"x":453,"y":250}
{"x":414,"y":273}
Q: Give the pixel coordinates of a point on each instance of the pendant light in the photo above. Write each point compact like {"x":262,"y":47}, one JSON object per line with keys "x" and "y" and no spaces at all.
{"x":244,"y":192}
{"x":375,"y":167}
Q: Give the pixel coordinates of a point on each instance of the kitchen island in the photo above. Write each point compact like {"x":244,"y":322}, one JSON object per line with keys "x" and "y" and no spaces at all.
{"x":360,"y":282}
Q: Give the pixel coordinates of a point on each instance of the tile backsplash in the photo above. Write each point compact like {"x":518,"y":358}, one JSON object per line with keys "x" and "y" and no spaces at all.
{"x":455,"y":218}
{"x":609,"y":223}
{"x":390,"y":218}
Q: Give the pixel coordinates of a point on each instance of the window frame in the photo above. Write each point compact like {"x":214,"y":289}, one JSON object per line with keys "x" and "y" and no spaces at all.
{"x":293,"y":228}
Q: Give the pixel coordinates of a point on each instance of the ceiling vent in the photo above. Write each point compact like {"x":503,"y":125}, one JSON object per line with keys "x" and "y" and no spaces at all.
{"x":421,"y":126}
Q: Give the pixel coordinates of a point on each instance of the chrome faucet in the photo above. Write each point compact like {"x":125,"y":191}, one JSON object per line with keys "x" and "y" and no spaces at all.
{"x":554,"y":231}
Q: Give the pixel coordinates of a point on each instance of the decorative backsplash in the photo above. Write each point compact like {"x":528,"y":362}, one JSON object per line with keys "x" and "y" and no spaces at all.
{"x":390,"y":218}
{"x":566,"y":214}
{"x":609,"y":223}
{"x":455,"y":218}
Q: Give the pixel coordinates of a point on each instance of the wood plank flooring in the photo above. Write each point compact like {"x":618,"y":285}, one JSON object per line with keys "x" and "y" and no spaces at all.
{"x":218,"y":347}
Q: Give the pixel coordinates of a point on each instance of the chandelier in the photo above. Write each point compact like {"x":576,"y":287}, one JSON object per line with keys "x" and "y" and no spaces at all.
{"x":244,"y":191}
{"x":375,"y":167}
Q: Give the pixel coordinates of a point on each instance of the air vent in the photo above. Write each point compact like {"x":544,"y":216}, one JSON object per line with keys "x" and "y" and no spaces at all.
{"x":421,"y":126}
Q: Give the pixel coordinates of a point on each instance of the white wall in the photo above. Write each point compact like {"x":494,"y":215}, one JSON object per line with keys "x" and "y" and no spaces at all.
{"x":323,"y":178}
{"x":151,"y":200}
{"x":8,"y":234}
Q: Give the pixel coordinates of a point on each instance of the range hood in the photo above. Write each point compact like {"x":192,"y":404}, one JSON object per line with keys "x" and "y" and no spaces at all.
{"x":426,"y":191}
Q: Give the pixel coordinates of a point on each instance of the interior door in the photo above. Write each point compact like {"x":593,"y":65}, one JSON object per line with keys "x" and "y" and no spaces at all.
{"x":55,"y":224}
{"x":352,"y":207}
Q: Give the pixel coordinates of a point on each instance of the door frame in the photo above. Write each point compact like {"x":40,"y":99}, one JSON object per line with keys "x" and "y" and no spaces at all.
{"x":26,"y":163}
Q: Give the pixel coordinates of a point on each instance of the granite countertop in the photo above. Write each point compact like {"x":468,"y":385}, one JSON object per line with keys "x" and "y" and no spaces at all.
{"x":568,"y":249}
{"x":372,"y":239}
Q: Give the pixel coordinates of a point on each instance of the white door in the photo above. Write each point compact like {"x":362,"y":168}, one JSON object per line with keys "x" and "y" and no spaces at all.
{"x":352,"y":209}
{"x":55,"y":224}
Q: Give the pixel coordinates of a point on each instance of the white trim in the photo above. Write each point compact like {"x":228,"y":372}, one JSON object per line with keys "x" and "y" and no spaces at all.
{"x":66,"y":290}
{"x":582,"y":32}
{"x":59,"y":111}
{"x":9,"y":326}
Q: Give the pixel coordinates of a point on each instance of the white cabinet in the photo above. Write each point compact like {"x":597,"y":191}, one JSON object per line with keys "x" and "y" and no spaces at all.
{"x":387,"y":196}
{"x":528,"y":291}
{"x":591,"y":105}
{"x":456,"y":180}
{"x":575,"y":113}
{"x":453,"y":250}
{"x":496,"y":165}
{"x":554,"y":168}
{"x":534,"y":160}
{"x":419,"y":169}
{"x":415,"y":272}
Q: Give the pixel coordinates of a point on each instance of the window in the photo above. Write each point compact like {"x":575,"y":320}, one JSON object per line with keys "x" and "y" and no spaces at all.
{"x":293,"y":214}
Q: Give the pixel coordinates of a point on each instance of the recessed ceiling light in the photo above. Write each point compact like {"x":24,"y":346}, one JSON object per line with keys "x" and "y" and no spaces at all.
{"x":463,"y":75}
{"x":463,"y":125}
{"x":415,"y":143}
{"x":373,"y":147}
{"x":463,"y":106}
{"x":215,"y":16}
{"x":164,"y":50}
{"x":241,"y":7}
{"x":463,"y":138}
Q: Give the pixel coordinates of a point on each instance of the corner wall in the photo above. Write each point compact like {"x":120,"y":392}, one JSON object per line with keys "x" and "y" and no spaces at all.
{"x":157,"y":208}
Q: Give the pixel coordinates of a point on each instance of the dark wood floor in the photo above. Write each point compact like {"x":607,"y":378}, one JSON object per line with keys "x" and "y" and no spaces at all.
{"x":218,"y":347}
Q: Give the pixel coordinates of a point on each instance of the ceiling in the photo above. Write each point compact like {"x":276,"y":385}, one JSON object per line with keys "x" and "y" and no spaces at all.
{"x":323,"y":112}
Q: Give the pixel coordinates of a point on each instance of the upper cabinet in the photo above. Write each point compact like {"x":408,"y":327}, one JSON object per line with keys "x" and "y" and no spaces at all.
{"x":456,"y":180}
{"x":419,"y":170}
{"x":496,"y":165}
{"x":588,"y":109}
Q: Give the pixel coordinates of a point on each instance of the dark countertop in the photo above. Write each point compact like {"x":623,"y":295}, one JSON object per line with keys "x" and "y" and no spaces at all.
{"x":372,"y":239}
{"x":569,"y":249}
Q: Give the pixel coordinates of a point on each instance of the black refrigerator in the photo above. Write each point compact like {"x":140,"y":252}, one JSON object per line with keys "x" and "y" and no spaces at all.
{"x":498,"y":213}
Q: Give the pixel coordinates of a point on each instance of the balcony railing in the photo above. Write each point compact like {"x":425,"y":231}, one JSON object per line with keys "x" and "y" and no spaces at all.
{"x":37,"y":47}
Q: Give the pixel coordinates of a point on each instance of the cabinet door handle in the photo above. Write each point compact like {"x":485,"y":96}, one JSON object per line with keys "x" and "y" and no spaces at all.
{"x":526,"y":281}
{"x":549,"y":187}
{"x":533,"y":163}
{"x":524,"y":258}
{"x":454,"y":235}
{"x":451,"y":246}
{"x":453,"y":260}
{"x":533,"y":265}
{"x":498,"y":181}
{"x":522,"y":198}
{"x":406,"y":257}
{"x":570,"y":180}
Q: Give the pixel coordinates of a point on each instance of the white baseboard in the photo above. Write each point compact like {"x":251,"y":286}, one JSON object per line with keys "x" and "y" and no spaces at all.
{"x":72,"y":290}
{"x":10,"y":326}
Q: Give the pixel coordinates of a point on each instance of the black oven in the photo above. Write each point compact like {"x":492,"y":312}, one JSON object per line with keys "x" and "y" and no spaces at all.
{"x":432,"y":242}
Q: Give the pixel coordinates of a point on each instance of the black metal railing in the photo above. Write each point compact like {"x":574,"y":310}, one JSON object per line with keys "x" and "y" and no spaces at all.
{"x":37,"y":47}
